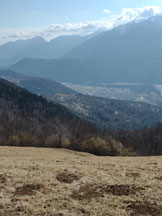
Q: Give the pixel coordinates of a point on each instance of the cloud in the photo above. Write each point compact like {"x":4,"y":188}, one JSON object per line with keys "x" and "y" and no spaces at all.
{"x":130,"y":14}
{"x":13,"y":34}
{"x":82,"y":28}
{"x":16,"y":35}
{"x":74,"y":28}
{"x":107,"y":11}
{"x":126,"y":15}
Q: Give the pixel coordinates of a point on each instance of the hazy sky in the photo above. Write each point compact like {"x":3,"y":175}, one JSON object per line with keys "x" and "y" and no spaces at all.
{"x":37,"y":13}
{"x":27,"y":18}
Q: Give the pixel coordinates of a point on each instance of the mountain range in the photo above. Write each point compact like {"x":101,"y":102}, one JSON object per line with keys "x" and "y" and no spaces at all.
{"x":37,"y":47}
{"x":63,"y":71}
{"x":130,"y":53}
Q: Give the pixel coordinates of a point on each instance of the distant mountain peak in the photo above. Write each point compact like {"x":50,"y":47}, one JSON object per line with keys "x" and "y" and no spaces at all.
{"x":37,"y":38}
{"x":38,"y":47}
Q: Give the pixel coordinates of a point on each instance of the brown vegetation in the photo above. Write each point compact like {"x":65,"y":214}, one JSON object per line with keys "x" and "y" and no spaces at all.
{"x":67,"y":177}
{"x":90,"y":191}
{"x":57,"y":182}
{"x":144,"y":208}
{"x":28,"y":189}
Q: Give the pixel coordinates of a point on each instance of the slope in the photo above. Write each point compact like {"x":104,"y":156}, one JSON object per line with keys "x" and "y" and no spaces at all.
{"x":37,"y":47}
{"x":60,"y":70}
{"x":128,"y":53}
{"x":111,"y":114}
{"x":44,"y":87}
{"x":30,"y":120}
{"x":105,"y":113}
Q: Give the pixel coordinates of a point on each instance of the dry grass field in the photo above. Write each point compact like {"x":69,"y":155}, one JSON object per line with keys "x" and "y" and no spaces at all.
{"x":52,"y":182}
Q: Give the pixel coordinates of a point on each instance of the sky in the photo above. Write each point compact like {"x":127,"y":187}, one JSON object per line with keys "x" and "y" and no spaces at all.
{"x":22,"y":19}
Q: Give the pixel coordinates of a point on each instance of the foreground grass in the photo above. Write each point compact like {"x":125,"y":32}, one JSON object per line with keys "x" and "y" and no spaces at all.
{"x":53,"y":182}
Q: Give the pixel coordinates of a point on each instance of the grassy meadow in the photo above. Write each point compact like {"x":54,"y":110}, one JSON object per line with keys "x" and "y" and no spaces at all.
{"x":57,"y":182}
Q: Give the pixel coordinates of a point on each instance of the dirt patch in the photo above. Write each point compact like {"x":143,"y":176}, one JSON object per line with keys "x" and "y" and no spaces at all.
{"x":144,"y":208}
{"x":122,"y":190}
{"x":152,"y":163}
{"x":3,"y":178}
{"x":67,"y":177}
{"x":90,"y":191}
{"x":159,"y":178}
{"x":133,"y":174}
{"x":28,"y":189}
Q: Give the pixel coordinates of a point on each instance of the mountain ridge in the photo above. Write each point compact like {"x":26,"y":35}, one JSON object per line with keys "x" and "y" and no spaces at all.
{"x":60,"y":70}
{"x":44,"y":87}
{"x":127,"y":53}
{"x":37,"y":47}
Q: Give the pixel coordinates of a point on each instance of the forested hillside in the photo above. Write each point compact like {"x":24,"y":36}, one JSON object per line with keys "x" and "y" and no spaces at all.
{"x":111,"y":114}
{"x":34,"y":118}
{"x":146,"y":141}
{"x":44,"y":87}
{"x":30,"y":120}
{"x":105,"y":113}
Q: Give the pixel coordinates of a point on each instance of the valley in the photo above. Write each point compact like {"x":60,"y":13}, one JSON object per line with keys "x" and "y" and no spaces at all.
{"x":151,"y":94}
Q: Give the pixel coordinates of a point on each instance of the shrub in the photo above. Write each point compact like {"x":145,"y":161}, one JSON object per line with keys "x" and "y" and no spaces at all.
{"x":27,"y":139}
{"x":53,"y":141}
{"x":65,"y":143}
{"x":128,"y":152}
{"x":116,"y":147}
{"x":96,"y":146}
